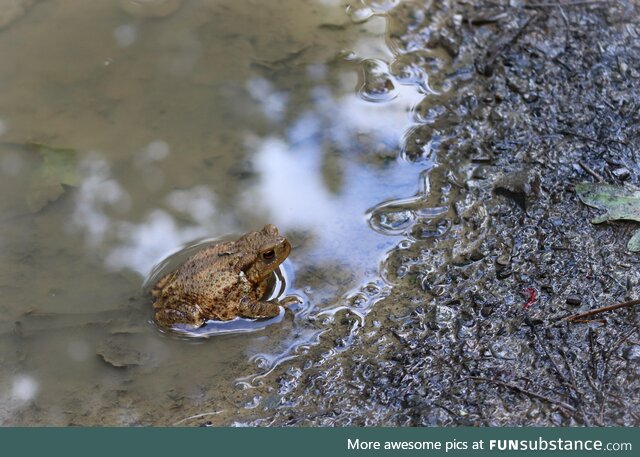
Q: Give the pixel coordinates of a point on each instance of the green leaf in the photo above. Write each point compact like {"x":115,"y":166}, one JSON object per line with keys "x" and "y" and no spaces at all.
{"x":57,"y":169}
{"x":619,"y":203}
{"x":58,"y":164}
{"x":634,"y":242}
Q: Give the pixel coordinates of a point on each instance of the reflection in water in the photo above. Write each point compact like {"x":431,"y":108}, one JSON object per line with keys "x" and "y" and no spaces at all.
{"x":21,"y":390}
{"x":272,"y":102}
{"x":215,"y":120}
{"x":24,"y":388}
{"x":125,"y":35}
{"x":97,"y":191}
{"x":376,"y":85}
{"x":142,"y":243}
{"x":295,"y":190}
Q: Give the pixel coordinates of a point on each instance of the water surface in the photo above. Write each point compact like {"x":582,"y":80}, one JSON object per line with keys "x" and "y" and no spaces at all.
{"x":212,"y":120}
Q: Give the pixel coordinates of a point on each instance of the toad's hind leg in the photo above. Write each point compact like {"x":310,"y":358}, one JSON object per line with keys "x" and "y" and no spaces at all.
{"x":258,"y":309}
{"x":182,"y":313}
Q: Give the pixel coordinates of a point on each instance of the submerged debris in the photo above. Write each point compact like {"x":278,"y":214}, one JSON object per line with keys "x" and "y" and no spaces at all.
{"x":58,"y":168}
{"x":129,"y":349}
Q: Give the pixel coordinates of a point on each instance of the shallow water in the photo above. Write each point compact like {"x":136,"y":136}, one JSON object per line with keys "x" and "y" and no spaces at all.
{"x":214,"y":120}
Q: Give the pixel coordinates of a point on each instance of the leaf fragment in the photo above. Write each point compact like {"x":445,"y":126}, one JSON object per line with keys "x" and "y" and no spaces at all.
{"x":57,"y":169}
{"x":619,"y":203}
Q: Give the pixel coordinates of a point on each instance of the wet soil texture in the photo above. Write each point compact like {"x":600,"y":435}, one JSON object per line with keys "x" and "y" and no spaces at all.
{"x":541,"y":96}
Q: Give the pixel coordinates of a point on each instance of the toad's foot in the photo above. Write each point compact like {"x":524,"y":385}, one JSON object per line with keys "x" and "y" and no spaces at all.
{"x":258,"y":309}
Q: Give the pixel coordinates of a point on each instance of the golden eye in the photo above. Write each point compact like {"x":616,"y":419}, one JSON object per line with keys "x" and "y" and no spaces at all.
{"x":269,"y":255}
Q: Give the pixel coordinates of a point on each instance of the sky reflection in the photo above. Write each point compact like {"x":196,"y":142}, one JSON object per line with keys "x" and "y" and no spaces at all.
{"x":211,"y":121}
{"x":293,"y":187}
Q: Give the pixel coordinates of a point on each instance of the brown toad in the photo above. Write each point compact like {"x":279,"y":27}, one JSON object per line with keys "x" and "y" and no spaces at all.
{"x":222,"y":282}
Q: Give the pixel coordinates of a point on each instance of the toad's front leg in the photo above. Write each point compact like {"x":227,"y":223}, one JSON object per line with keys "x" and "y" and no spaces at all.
{"x":257,"y":309}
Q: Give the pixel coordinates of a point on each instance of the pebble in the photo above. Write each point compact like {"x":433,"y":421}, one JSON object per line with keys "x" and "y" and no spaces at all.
{"x":574,"y":300}
{"x":486,"y":311}
{"x":621,"y":173}
{"x":503,"y":260}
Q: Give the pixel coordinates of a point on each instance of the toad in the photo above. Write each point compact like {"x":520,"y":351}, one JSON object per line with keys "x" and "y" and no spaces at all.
{"x":222,"y":282}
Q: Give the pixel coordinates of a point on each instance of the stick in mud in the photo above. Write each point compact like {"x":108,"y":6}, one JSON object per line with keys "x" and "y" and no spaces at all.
{"x":519,"y":389}
{"x":593,"y":312}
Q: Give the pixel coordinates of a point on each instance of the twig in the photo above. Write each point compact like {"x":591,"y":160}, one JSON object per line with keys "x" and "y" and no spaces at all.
{"x":561,"y":5}
{"x":578,"y":393}
{"x":591,"y":171}
{"x":604,"y":381}
{"x":591,"y":139}
{"x":575,"y":394}
{"x":522,"y":391}
{"x":536,"y":337}
{"x":501,"y":46}
{"x":593,"y":312}
{"x":451,"y":413}
{"x":530,"y":381}
{"x":622,"y":339}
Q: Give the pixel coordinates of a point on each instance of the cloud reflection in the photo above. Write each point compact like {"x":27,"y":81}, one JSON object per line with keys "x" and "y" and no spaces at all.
{"x":273,"y":102}
{"x":142,"y":245}
{"x":293,"y":186}
{"x":24,"y":388}
{"x":320,"y":176}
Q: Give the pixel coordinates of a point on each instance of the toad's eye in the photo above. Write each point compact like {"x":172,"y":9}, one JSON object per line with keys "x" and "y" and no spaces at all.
{"x":269,"y":255}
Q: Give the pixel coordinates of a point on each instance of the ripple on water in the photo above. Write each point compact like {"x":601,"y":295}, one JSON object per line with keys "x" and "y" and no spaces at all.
{"x":398,"y":217}
{"x":361,"y":10}
{"x":407,"y":71}
{"x":376,"y":83}
{"x":420,"y":144}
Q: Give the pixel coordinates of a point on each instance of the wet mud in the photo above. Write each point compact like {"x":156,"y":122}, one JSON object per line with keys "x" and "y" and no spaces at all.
{"x":539,"y":98}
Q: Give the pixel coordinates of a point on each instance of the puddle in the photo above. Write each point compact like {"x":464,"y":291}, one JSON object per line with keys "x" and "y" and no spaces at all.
{"x":188,"y":122}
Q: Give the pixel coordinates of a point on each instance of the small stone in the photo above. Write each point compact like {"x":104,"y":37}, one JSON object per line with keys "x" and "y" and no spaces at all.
{"x":476,"y":255}
{"x":632,"y":353}
{"x":503,"y":260}
{"x":574,"y":300}
{"x":621,"y":173}
{"x":521,"y":186}
{"x":623,"y":67}
{"x":504,"y":273}
{"x":486,"y":311}
{"x":479,"y":173}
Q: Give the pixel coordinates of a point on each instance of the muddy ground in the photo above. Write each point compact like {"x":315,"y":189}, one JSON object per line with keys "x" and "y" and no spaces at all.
{"x":544,"y":96}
